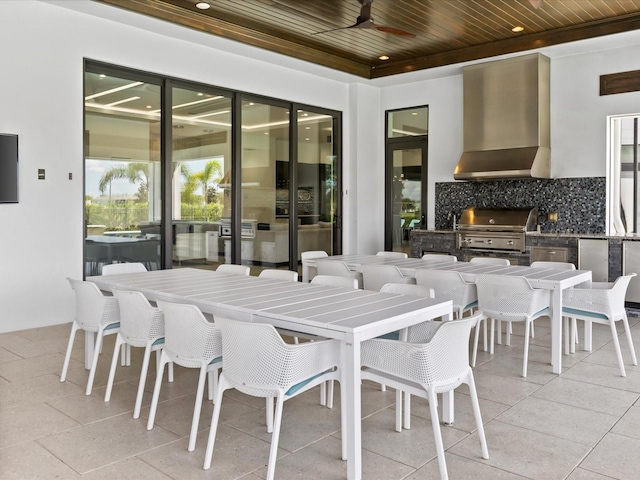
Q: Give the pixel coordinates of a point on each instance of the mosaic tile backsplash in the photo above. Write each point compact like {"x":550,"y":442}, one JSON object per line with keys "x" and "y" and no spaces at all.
{"x":580,"y":202}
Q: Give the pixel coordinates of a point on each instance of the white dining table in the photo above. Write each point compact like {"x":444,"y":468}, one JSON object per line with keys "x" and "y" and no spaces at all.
{"x":555,"y":280}
{"x":351,"y":316}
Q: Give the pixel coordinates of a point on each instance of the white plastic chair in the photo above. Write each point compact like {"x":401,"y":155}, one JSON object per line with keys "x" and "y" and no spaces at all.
{"x":569,"y":346}
{"x":490,"y":261}
{"x":309,"y":272}
{"x":449,"y":285}
{"x":117,"y":268}
{"x":233,"y":269}
{"x":439,"y":364}
{"x":339,"y":268}
{"x":256,"y":361}
{"x":191,"y":342}
{"x":439,"y":258}
{"x":392,"y":254}
{"x":141,"y":325}
{"x":286,"y":275}
{"x":510,"y":299}
{"x":335,"y":281}
{"x":95,"y":312}
{"x":375,"y":276}
{"x":601,"y":302}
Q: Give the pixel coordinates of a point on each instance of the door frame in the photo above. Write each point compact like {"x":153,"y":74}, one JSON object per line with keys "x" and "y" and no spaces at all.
{"x":403,"y":143}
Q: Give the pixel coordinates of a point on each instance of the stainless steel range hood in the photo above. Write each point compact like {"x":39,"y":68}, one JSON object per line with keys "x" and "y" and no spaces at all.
{"x":506,"y":120}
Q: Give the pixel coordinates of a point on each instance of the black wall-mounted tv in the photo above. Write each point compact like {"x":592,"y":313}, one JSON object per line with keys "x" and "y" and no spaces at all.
{"x":8,"y":168}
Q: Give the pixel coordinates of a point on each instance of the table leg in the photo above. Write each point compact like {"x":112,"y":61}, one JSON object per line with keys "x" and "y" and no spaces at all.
{"x":351,"y":359}
{"x":88,"y":349}
{"x":447,"y":397}
{"x":556,"y":330}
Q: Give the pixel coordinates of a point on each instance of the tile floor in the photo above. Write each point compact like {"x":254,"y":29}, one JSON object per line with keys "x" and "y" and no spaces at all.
{"x":584,"y":424}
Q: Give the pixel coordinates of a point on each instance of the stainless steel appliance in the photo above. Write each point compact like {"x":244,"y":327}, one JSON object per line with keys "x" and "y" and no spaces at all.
{"x":495,"y":229}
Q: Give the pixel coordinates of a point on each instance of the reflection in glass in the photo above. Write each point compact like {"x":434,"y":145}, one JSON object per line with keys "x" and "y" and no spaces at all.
{"x":317,"y":182}
{"x":409,"y":122}
{"x":201,"y":172}
{"x":122,"y":172}
{"x":626,"y":186}
{"x":407,"y":194}
{"x":265,"y":167}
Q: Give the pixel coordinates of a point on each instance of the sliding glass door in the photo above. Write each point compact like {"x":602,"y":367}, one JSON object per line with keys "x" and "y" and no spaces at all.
{"x":179,"y":174}
{"x":123,"y":201}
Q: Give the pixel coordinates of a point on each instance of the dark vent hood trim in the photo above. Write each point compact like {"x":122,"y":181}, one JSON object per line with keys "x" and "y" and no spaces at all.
{"x":506,"y":120}
{"x":524,"y":162}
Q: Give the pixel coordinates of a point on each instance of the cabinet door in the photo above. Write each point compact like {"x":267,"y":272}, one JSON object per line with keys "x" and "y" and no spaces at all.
{"x":594,"y":255}
{"x":631,"y":264}
{"x":549,"y":254}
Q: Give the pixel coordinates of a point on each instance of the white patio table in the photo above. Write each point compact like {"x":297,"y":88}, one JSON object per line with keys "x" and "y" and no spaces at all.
{"x":351,"y":316}
{"x":545,"y":278}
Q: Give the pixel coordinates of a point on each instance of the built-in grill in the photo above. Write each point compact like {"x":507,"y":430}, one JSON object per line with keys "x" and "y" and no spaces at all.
{"x":495,"y":229}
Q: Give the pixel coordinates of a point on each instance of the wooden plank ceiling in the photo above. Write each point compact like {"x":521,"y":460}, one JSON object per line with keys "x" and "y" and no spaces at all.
{"x":446,"y":31}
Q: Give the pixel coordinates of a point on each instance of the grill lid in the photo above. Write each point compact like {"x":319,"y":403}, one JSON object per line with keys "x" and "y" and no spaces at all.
{"x":499,"y":219}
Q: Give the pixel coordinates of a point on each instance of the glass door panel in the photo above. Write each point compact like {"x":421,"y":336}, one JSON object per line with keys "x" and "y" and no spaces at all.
{"x":406,"y":187}
{"x":122,"y":171}
{"x":201,"y":173}
{"x":316,"y":183}
{"x":264,"y":180}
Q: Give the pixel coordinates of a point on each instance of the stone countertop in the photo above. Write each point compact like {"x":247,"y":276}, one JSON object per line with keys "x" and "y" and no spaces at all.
{"x":626,"y":236}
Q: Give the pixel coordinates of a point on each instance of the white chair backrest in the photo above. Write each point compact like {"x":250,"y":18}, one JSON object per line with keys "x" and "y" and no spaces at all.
{"x":392,"y":254}
{"x":232,"y":269}
{"x":189,"y":339}
{"x":335,"y":281}
{"x":408,"y":289}
{"x":272,"y":364}
{"x":311,"y":254}
{"x":509,"y":298}
{"x":439,"y":258}
{"x":286,"y":275}
{"x":337,"y":268}
{"x":448,"y":285}
{"x":93,"y":308}
{"x":490,"y":261}
{"x":116,"y":268}
{"x":556,"y":265}
{"x":140,"y":322}
{"x":375,"y":276}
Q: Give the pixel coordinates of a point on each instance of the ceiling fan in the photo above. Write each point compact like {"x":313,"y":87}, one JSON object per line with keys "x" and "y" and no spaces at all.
{"x":365,"y":21}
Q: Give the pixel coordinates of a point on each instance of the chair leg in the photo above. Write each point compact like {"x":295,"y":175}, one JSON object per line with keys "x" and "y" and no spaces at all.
{"x":197,"y":408}
{"x":491,"y":340}
{"x":476,"y":413}
{"x":269,"y":413}
{"x":437,"y":434}
{"x":627,"y":332}
{"x":499,"y":336}
{"x":525,"y":356}
{"x":474,"y":355}
{"x":94,"y":362}
{"x":567,"y":340}
{"x":156,"y":390}
{"x":112,"y":370}
{"x":211,"y":378}
{"x":343,"y":416}
{"x":170,"y":372}
{"x":406,"y":410}
{"x":323,"y":393}
{"x":399,"y":410}
{"x":485,"y":334}
{"x":143,"y":379}
{"x":273,"y":452}
{"x":67,"y":357}
{"x":616,"y":344}
{"x":329,"y":393}
{"x":588,"y":340}
{"x":214,"y":423}
{"x":509,"y":330}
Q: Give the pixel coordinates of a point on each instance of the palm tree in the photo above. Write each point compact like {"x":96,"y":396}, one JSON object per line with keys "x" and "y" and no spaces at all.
{"x":134,"y":172}
{"x":189,"y":186}
{"x":212,"y":172}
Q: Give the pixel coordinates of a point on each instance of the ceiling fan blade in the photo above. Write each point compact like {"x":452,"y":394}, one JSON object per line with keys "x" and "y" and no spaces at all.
{"x":393,"y":31}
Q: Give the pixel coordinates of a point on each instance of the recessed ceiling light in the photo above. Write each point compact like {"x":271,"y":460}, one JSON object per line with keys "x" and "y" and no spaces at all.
{"x":517,"y":29}
{"x":306,"y":139}
{"x":102,"y":75}
{"x":149,"y":106}
{"x":251,"y":103}
{"x":200,"y":94}
{"x":203,"y":5}
{"x":307,"y":128}
{"x":414,"y":113}
{"x":383,"y":57}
